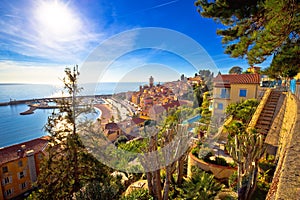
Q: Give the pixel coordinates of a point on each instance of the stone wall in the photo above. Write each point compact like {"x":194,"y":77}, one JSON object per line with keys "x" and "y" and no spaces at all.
{"x":286,"y":180}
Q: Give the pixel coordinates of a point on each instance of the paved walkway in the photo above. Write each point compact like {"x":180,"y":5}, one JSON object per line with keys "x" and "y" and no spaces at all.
{"x":289,"y":182}
{"x":119,"y":111}
{"x":286,"y":180}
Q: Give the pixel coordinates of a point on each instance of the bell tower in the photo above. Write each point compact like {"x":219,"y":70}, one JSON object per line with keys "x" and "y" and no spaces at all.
{"x":151,"y":81}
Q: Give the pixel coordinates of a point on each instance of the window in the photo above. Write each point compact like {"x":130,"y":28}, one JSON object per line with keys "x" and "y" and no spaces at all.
{"x":220,"y":106}
{"x":21,"y":175}
{"x":23,"y":185}
{"x":7,"y":180}
{"x":5,"y":169}
{"x":243,"y":92}
{"x":8,"y":192}
{"x":20,"y":163}
{"x":224,"y":93}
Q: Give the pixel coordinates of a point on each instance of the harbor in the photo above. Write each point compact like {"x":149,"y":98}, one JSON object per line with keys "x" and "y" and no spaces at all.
{"x":46,"y":103}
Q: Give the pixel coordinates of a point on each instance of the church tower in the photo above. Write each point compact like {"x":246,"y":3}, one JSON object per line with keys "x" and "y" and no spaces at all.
{"x":151,"y":81}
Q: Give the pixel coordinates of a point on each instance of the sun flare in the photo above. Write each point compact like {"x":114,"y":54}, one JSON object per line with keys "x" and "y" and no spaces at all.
{"x":55,"y":18}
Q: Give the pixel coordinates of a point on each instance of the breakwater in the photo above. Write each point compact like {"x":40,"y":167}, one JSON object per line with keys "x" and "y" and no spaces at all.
{"x":49,"y":99}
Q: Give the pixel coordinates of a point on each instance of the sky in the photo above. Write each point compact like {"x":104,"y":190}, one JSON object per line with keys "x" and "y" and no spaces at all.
{"x":110,"y":40}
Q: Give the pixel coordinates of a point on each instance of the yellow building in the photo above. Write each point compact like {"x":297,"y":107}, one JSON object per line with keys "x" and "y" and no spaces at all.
{"x":254,"y":69}
{"x":19,"y":167}
{"x":232,"y":88}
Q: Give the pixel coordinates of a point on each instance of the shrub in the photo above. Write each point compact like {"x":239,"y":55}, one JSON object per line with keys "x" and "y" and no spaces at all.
{"x":221,"y":161}
{"x":141,"y":194}
{"x":195,"y":151}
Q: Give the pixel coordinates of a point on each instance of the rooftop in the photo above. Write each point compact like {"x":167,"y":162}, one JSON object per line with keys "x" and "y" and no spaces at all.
{"x":16,"y":151}
{"x":238,"y":78}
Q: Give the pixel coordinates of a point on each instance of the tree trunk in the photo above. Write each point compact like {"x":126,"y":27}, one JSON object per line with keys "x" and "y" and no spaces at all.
{"x":180,"y":170}
{"x":149,"y":181}
{"x":167,"y":183}
{"x":157,"y":185}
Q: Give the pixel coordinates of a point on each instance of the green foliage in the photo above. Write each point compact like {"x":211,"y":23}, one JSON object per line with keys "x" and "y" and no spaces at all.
{"x":121,"y":139}
{"x":200,"y":186}
{"x":246,"y":148}
{"x":140,"y":194}
{"x":207,"y":77}
{"x":235,"y":127}
{"x":235,"y":70}
{"x":257,"y":29}
{"x":100,"y":190}
{"x":221,"y":161}
{"x":232,"y":181}
{"x":195,"y":151}
{"x":285,"y":63}
{"x":218,"y":160}
{"x":67,"y":165}
{"x":135,"y":146}
{"x":242,"y":110}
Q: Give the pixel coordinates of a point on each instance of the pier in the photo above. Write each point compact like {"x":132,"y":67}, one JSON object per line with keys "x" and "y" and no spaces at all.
{"x":49,"y":99}
{"x":29,"y":111}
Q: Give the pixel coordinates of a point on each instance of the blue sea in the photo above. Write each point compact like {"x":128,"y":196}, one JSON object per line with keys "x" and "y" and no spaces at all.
{"x":16,"y":128}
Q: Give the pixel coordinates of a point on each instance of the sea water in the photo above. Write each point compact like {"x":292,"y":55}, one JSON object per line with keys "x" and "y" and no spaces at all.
{"x":16,"y":128}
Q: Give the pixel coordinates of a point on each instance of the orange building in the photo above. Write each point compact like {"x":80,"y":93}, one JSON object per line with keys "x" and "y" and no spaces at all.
{"x":19,"y":167}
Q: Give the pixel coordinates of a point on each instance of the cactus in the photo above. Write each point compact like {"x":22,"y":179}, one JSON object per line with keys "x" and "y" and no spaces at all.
{"x":246,"y":148}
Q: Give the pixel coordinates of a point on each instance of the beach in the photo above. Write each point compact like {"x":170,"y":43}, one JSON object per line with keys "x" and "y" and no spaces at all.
{"x":106,"y":113}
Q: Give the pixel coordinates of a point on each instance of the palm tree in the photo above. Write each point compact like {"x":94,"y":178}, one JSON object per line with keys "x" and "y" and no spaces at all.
{"x":202,"y":186}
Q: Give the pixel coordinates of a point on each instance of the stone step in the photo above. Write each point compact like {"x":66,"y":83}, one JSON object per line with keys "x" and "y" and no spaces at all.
{"x":263,"y":131}
{"x":266,"y":115}
{"x":271,"y":105}
{"x":272,"y":102}
{"x":268,"y":111}
{"x":263,"y":122}
{"x":265,"y":118}
{"x":262,"y":127}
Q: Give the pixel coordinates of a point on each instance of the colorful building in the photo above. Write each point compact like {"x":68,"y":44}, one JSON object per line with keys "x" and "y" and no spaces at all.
{"x":232,"y":88}
{"x":19,"y":167}
{"x":254,"y":69}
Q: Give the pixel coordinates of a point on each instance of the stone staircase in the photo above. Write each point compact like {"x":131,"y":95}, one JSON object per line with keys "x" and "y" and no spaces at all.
{"x":268,"y":113}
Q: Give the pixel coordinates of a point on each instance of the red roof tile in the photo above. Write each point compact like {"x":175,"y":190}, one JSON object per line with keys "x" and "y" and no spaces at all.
{"x":14,"y":152}
{"x":138,"y":120}
{"x":238,"y":78}
{"x":112,"y":126}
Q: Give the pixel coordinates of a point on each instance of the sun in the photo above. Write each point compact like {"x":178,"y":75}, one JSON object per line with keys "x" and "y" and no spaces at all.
{"x":55,"y":18}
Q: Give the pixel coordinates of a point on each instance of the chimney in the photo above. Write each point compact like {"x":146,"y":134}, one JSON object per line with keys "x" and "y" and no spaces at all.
{"x":21,"y":151}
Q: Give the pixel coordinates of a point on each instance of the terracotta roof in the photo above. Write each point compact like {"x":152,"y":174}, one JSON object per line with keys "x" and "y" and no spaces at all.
{"x":238,"y":78}
{"x":112,"y":126}
{"x":157,"y":109}
{"x":16,"y":151}
{"x":171,"y":105}
{"x":138,"y":120}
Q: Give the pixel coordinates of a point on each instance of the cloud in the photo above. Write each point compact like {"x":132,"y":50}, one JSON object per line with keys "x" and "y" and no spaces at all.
{"x":147,"y":9}
{"x":27,"y":29}
{"x":27,"y":72}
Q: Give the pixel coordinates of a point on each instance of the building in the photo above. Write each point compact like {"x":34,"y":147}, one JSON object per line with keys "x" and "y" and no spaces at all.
{"x":232,"y":88}
{"x":197,"y":80}
{"x":19,"y":167}
{"x":254,"y":69}
{"x":151,"y":81}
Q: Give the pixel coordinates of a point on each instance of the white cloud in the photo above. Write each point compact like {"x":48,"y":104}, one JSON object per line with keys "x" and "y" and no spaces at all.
{"x":16,"y":72}
{"x":37,"y":31}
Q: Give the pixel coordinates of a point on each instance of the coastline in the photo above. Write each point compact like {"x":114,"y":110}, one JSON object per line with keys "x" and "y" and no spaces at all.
{"x":106,"y":113}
